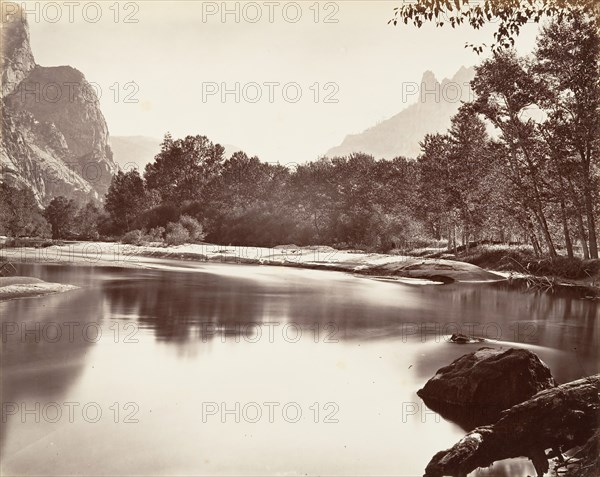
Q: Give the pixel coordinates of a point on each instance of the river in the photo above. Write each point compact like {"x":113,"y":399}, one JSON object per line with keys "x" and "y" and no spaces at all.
{"x":215,"y":369}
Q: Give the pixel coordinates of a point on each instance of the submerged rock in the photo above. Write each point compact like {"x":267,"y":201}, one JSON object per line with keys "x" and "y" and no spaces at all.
{"x":475,"y":388}
{"x":459,"y":338}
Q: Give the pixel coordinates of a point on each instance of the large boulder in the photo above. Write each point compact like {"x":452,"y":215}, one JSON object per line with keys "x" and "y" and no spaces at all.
{"x":475,"y":388}
{"x":559,"y":420}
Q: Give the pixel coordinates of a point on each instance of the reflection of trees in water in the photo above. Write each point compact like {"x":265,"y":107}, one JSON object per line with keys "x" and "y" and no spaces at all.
{"x":562,"y":321}
{"x":186,"y":306}
{"x":47,"y":369}
{"x":191,"y":306}
{"x":177,"y":306}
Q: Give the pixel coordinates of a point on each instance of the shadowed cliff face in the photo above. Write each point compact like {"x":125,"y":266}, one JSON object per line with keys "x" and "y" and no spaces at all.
{"x":54,"y":137}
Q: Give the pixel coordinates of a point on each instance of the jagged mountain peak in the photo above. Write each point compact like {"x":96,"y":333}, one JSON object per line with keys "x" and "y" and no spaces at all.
{"x":55,"y":139}
{"x":429,"y":78}
{"x":430,"y":113}
{"x":16,"y":59}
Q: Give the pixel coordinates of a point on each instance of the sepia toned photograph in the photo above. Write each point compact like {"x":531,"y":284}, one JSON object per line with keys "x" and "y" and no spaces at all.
{"x":351,"y":238}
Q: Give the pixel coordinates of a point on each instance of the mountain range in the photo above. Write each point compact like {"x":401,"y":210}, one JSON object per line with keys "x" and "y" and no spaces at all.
{"x":55,"y":140}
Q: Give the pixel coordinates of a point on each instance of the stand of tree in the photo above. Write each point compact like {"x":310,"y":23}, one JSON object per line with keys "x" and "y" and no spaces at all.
{"x":520,"y":163}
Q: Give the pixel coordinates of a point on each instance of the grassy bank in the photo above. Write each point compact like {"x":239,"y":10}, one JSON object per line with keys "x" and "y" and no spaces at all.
{"x":521,"y":259}
{"x":519,"y":263}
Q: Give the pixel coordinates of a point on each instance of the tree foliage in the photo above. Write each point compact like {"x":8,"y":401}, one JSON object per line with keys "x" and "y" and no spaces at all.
{"x":183,"y":167}
{"x":60,"y":214}
{"x":509,"y":15}
{"x":126,"y":200}
{"x":87,"y":220}
{"x":19,"y":213}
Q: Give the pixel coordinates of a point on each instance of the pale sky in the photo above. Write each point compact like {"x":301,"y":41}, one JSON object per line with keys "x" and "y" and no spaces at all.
{"x":173,"y":53}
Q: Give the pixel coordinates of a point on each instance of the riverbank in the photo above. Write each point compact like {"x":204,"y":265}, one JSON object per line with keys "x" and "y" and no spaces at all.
{"x":314,"y":257}
{"x":25,"y":287}
{"x":519,"y":265}
{"x":408,"y":269}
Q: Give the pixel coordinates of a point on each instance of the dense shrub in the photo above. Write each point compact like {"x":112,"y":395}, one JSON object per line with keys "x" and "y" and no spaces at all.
{"x":193,"y":228}
{"x":157,"y":234}
{"x":133,"y":237}
{"x":176,"y":234}
{"x":160,"y":216}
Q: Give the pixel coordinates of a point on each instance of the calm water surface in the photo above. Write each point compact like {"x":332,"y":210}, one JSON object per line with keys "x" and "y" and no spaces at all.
{"x":219,"y":369}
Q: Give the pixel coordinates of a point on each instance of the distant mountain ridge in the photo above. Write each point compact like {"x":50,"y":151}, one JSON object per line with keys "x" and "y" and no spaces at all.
{"x":132,"y":152}
{"x":54,"y":137}
{"x":436,"y":103}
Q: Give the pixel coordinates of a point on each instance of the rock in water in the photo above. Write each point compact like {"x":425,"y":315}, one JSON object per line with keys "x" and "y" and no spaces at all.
{"x":475,"y":388}
{"x":559,"y":419}
{"x":54,"y":136}
{"x":459,"y":338}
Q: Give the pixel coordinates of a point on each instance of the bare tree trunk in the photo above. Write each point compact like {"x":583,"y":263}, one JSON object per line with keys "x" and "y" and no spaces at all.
{"x":565,"y":222}
{"x":538,"y":208}
{"x":545,"y":231}
{"x":533,"y":237}
{"x":580,"y":225}
{"x":564,"y":217}
{"x":588,"y":197}
{"x":454,"y":237}
{"x":589,"y":209}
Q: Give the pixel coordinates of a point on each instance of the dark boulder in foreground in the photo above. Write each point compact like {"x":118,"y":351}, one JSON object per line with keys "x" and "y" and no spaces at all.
{"x":475,"y":388}
{"x":559,"y":419}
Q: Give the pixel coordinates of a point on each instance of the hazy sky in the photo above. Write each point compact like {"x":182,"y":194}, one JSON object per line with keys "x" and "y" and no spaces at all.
{"x":179,"y":49}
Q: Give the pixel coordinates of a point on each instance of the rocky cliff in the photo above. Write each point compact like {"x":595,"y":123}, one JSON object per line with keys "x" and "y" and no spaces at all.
{"x":434,"y":104}
{"x":54,"y":137}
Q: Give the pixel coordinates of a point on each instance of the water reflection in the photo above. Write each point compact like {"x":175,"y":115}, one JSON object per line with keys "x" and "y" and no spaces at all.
{"x":187,"y":306}
{"x":326,"y":336}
